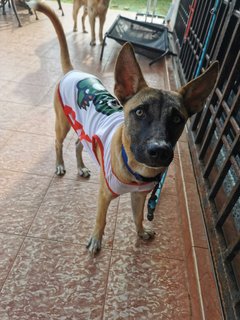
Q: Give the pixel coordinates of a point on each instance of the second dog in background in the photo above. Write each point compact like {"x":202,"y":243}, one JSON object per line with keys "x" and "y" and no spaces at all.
{"x":94,"y":9}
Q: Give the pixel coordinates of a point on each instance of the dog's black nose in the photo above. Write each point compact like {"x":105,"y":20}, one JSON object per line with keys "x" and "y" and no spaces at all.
{"x":160,"y":151}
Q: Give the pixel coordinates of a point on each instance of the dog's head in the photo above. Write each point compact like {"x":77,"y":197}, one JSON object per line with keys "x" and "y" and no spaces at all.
{"x":155,"y":119}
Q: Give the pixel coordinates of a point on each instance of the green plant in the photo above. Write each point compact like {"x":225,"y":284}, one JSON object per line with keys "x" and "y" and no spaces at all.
{"x":140,"y":5}
{"x":137,"y":5}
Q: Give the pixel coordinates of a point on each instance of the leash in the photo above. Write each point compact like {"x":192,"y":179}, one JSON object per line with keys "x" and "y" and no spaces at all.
{"x":154,"y":198}
{"x":155,"y":195}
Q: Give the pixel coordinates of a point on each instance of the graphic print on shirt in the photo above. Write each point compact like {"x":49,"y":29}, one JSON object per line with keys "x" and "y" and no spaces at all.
{"x":91,"y":90}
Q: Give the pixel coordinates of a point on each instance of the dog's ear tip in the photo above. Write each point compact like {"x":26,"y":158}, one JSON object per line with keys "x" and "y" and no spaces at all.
{"x":127,"y":43}
{"x":127,"y":46}
{"x":215,"y":65}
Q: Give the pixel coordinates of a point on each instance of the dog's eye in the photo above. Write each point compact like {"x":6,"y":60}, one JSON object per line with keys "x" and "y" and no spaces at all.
{"x":139,"y":113}
{"x":176,"y":119}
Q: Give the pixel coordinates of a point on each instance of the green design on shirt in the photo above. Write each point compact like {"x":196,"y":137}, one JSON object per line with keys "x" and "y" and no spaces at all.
{"x":92,"y":90}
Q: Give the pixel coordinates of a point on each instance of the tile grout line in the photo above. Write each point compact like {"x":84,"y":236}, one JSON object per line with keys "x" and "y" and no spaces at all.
{"x":24,"y":238}
{"x":110,"y":262}
{"x":188,"y":214}
{"x":49,"y":176}
{"x":48,"y":239}
{"x":191,"y":236}
{"x":30,"y":173}
{"x":29,"y":133}
{"x":13,"y":262}
{"x":106,"y":284}
{"x":167,"y":74}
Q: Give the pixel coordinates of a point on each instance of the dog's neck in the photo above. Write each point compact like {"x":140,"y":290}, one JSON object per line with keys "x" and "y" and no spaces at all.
{"x":119,"y":140}
{"x":156,"y":178}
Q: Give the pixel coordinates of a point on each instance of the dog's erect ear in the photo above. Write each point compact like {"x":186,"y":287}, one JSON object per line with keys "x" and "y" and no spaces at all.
{"x":195,"y":92}
{"x":128,"y":75}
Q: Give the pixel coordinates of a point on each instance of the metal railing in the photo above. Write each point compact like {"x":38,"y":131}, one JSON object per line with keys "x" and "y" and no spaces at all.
{"x":207,"y":31}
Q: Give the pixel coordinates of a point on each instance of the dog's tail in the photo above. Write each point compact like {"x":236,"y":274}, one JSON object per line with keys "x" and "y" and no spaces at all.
{"x":45,"y":9}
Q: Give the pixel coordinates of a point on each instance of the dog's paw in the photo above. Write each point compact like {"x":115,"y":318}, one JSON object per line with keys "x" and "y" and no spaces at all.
{"x":94,"y":245}
{"x":85,"y":31}
{"x":147,"y":234}
{"x":75,"y":29}
{"x":60,"y":170}
{"x":84,"y":172}
{"x":92,"y":43}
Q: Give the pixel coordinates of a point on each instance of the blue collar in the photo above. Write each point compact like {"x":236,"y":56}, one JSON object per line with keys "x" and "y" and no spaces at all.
{"x":137,"y":175}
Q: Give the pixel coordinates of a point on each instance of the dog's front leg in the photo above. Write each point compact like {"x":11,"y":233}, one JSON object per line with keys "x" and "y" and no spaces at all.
{"x":82,"y":169}
{"x":138,"y":200}
{"x":104,"y":199}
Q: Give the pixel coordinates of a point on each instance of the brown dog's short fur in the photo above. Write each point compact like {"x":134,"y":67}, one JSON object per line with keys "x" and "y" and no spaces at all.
{"x":94,"y":9}
{"x":165,"y":114}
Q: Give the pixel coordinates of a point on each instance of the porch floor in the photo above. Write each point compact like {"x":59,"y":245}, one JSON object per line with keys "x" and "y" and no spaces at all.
{"x":45,"y":221}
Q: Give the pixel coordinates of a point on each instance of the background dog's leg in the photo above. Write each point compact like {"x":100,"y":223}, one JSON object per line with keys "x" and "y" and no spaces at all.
{"x":138,"y":200}
{"x":92,"y":25}
{"x":104,"y":199}
{"x":82,"y":170}
{"x":83,"y":19}
{"x":76,"y":7}
{"x":101,"y":23}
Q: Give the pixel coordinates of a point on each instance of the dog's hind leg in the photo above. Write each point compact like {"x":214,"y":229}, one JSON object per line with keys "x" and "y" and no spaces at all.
{"x":101,"y":24}
{"x":76,"y":7}
{"x":138,"y":200}
{"x":83,"y":19}
{"x":92,"y":19}
{"x":62,"y":128}
{"x":82,"y":169}
{"x":60,"y":136}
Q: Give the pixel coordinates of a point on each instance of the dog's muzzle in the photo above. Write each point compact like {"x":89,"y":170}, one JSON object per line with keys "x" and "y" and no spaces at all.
{"x":160,"y":153}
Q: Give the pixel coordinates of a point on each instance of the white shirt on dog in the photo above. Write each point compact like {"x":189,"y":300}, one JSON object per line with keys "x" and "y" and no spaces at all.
{"x":95,"y":115}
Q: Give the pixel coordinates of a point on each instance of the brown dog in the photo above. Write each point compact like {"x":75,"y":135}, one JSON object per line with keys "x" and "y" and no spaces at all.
{"x":94,"y":9}
{"x":151,"y":122}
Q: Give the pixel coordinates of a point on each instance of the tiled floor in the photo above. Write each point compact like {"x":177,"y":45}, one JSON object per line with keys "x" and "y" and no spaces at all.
{"x":45,"y":221}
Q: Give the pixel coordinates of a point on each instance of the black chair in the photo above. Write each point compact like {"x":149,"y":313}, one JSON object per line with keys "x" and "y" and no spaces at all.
{"x":10,"y":3}
{"x":23,"y":4}
{"x":148,"y":39}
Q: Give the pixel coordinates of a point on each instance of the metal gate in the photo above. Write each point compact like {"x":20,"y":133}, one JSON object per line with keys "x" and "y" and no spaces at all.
{"x":207,"y":31}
